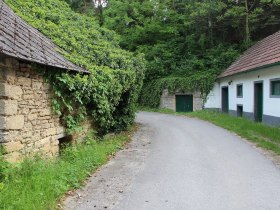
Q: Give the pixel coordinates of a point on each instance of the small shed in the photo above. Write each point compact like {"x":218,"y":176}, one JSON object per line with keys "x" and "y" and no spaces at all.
{"x":250,"y":87}
{"x":27,"y":123}
{"x":181,"y":101}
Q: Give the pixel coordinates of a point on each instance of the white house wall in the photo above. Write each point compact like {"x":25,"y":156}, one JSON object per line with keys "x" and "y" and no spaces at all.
{"x":213,"y":98}
{"x":271,"y":106}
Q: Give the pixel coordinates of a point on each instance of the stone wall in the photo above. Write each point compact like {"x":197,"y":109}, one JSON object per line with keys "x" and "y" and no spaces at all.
{"x":168,"y":100}
{"x":27,"y":123}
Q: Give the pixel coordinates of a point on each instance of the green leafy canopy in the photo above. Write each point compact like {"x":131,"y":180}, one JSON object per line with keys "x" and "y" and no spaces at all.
{"x":109,"y":94}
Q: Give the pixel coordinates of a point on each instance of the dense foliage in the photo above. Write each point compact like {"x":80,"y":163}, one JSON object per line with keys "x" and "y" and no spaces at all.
{"x":110,"y":92}
{"x":187,"y":43}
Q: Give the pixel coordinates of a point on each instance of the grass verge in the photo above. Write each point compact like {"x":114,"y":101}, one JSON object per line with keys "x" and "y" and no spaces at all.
{"x":264,"y":136}
{"x":38,"y":184}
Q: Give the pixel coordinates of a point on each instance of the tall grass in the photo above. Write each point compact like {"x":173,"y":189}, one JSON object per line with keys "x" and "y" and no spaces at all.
{"x":38,"y":184}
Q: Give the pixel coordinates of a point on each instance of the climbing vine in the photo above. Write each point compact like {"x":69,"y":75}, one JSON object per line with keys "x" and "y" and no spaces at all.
{"x":201,"y":83}
{"x":109,"y":93}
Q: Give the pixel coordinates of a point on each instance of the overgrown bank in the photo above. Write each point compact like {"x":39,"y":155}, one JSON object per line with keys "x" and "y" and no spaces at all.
{"x":38,"y":184}
{"x":109,"y":94}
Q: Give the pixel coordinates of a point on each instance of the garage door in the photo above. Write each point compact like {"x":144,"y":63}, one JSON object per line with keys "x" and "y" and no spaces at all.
{"x":184,"y":103}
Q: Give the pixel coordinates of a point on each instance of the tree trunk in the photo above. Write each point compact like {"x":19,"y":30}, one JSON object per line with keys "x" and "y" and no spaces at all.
{"x":247,"y":29}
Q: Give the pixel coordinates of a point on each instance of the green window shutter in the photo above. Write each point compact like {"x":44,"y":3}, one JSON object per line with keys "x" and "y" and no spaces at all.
{"x":275,"y":88}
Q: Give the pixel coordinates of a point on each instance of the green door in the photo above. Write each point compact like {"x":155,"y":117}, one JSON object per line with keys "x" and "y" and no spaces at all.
{"x":258,"y":107}
{"x":184,"y":103}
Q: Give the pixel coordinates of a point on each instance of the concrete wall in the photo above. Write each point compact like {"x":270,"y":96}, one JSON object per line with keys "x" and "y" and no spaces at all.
{"x":168,"y":100}
{"x":27,"y":123}
{"x":270,"y":105}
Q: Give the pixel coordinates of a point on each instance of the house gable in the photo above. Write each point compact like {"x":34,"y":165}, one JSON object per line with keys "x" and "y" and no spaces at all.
{"x":264,"y":53}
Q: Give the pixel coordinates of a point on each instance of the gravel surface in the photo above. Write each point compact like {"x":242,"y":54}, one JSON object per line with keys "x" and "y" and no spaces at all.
{"x":105,"y":188}
{"x":190,"y":164}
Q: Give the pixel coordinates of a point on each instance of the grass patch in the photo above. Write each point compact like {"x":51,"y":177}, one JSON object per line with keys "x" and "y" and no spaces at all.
{"x":264,"y":136}
{"x":39,"y":184}
{"x":164,"y":110}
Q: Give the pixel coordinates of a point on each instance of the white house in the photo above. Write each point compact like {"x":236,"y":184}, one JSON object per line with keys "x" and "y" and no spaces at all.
{"x":250,"y":87}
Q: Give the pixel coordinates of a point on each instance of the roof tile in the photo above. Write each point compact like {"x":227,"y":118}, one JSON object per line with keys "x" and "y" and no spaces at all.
{"x":264,"y":52}
{"x":20,"y":40}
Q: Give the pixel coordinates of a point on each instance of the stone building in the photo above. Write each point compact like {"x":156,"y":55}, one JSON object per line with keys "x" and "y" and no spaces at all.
{"x":27,"y":123}
{"x":181,"y":101}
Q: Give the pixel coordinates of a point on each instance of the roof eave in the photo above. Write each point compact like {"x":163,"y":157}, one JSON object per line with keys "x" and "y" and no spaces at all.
{"x":251,"y":70}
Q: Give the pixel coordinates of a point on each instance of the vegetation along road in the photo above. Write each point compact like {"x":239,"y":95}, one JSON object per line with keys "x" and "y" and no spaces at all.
{"x":190,"y":164}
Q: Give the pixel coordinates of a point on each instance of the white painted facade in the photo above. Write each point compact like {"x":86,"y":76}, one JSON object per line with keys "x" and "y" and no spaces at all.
{"x":271,"y":105}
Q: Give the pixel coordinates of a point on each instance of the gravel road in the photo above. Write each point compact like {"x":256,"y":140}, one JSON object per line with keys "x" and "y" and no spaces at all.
{"x":190,"y":164}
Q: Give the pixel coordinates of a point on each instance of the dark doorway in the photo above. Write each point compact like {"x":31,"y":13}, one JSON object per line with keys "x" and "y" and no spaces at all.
{"x":225,"y":99}
{"x":184,"y":103}
{"x":239,"y":110}
{"x":258,"y":101}
{"x":64,"y":142}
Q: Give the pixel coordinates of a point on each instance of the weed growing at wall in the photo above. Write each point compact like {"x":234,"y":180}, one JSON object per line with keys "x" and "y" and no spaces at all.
{"x":38,"y":184}
{"x":108,"y":95}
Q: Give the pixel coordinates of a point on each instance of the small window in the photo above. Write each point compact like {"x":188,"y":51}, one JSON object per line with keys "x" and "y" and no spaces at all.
{"x":275,"y":88}
{"x":239,"y":90}
{"x":239,"y":110}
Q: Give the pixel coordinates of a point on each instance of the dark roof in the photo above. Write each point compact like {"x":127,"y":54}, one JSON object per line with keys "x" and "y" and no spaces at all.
{"x":263,"y":53}
{"x":20,"y":40}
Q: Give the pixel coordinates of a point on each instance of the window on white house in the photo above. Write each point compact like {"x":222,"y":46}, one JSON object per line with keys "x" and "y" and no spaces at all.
{"x":239,"y":91}
{"x":239,"y":110}
{"x":275,"y":88}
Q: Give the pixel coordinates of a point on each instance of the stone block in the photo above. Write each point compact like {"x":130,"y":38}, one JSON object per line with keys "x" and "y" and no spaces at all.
{"x":42,"y":142}
{"x":27,"y":134}
{"x":44,"y":126}
{"x":7,"y":136}
{"x":37,"y":85}
{"x":45,"y":112}
{"x":24,"y":81}
{"x":10,"y":91}
{"x":8,"y":107}
{"x":32,"y":117}
{"x":50,"y":132}
{"x":28,"y":97}
{"x":13,"y":122}
{"x":12,"y":146}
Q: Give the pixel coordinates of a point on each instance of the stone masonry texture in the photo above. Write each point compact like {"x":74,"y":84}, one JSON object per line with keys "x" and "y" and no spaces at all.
{"x":168,"y":100}
{"x":27,"y":123}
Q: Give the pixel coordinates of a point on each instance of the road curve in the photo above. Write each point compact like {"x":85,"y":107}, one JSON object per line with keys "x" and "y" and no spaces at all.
{"x":193,"y":164}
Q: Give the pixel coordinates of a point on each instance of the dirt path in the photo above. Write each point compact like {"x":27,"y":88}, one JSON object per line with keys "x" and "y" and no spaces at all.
{"x":105,"y":188}
{"x":190,"y":164}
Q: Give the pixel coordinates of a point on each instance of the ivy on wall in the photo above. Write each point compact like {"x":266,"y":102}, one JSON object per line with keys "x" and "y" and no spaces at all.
{"x":201,"y":83}
{"x":109,"y":94}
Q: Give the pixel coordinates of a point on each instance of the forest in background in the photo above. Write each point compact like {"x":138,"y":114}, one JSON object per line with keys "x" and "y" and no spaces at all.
{"x":186,"y":43}
{"x":178,"y":44}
